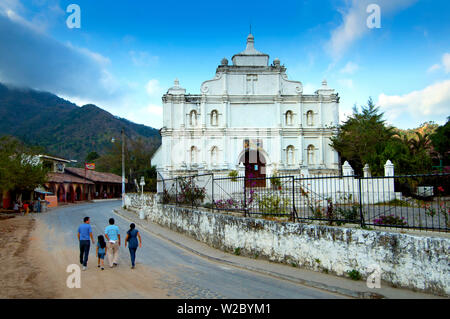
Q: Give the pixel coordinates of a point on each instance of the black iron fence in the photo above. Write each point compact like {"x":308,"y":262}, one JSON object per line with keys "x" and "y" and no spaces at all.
{"x":410,"y":201}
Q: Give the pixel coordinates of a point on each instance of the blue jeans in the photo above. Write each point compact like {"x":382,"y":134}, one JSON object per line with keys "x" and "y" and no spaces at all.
{"x":85,"y":245}
{"x":132,"y":255}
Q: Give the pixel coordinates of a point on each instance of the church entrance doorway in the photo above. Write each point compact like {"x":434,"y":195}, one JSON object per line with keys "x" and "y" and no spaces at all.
{"x":255,"y":168}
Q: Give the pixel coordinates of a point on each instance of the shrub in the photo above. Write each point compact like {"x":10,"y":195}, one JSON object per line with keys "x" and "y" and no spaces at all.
{"x":354,"y":274}
{"x":190,"y":193}
{"x":272,"y":204}
{"x":349,"y":214}
{"x":226,"y":204}
{"x":317,"y":212}
{"x":233,"y":174}
{"x":274,"y":181}
{"x":390,"y":220}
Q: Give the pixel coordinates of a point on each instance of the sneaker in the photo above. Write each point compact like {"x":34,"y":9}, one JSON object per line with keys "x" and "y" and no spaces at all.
{"x":102,"y":268}
{"x":114,"y":264}
{"x":84,"y":267}
{"x":98,"y":266}
{"x":132,"y":267}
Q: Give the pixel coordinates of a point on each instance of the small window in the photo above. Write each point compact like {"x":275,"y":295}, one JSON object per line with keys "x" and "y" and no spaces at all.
{"x":289,"y":118}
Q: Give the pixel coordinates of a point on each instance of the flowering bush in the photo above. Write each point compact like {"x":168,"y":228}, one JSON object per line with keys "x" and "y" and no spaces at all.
{"x":442,"y":209}
{"x":390,"y":220}
{"x":190,"y":193}
{"x":231,"y":203}
{"x":227,"y":204}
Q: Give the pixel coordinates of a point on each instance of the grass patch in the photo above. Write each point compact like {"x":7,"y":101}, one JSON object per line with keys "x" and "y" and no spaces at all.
{"x":395,"y":202}
{"x":354,"y":274}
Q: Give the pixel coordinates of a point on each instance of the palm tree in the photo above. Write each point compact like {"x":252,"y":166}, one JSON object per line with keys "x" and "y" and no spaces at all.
{"x":421,"y":143}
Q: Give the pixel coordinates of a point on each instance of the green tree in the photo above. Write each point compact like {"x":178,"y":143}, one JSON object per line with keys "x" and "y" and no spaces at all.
{"x":440,"y":141}
{"x":365,"y":139}
{"x":362,"y":137}
{"x":20,"y":169}
{"x":91,"y":157}
{"x":137,"y":162}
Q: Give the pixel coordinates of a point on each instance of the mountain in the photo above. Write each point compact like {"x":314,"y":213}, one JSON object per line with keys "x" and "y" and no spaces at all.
{"x":425,"y":128}
{"x":62,"y":128}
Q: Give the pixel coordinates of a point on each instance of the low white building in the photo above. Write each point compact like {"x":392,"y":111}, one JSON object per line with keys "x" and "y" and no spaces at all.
{"x":250,"y":117}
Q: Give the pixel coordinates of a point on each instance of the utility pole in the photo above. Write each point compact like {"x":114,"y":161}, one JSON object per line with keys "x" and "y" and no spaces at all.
{"x":123,"y":169}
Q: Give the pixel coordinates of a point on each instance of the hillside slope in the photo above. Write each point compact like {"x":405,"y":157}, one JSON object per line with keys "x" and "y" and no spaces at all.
{"x":63,"y":128}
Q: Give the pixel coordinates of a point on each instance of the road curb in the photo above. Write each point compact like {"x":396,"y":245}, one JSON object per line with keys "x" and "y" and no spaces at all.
{"x":309,"y":283}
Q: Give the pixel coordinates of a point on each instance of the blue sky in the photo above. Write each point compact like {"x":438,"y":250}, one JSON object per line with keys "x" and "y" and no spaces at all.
{"x":128,"y":53}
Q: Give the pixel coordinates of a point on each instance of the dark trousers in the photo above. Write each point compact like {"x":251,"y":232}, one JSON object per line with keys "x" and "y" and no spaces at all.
{"x":132,"y":255}
{"x":85,"y":245}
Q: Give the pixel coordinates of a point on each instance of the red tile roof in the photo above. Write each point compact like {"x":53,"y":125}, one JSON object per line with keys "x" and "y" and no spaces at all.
{"x":66,"y":178}
{"x":95,"y":176}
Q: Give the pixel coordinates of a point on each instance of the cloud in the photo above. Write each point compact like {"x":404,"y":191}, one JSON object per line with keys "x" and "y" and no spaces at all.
{"x":155,"y":109}
{"x":354,"y":23}
{"x":143,"y":59}
{"x":153,"y":88}
{"x":434,"y":100}
{"x":445,"y":64}
{"x":348,"y":83}
{"x":48,"y":12}
{"x":350,"y":68}
{"x":434,"y":67}
{"x":13,"y":5}
{"x":31,"y":58}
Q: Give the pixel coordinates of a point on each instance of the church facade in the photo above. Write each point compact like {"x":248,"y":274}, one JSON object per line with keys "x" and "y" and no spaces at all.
{"x":251,"y":118}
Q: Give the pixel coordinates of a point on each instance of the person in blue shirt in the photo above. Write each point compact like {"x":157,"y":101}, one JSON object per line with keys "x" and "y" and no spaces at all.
{"x":132,"y":240}
{"x":84,"y":233}
{"x":112,"y":235}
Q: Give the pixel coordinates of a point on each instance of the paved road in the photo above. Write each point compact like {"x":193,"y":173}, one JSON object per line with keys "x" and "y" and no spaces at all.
{"x":188,"y":275}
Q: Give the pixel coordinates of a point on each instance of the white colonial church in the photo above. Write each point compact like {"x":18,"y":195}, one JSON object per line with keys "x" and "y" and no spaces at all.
{"x":251,"y":118}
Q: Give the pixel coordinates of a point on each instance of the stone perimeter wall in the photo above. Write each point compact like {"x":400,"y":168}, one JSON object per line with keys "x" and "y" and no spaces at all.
{"x":416,"y":262}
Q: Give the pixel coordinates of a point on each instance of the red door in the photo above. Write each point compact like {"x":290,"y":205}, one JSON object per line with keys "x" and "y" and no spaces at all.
{"x":255,"y":169}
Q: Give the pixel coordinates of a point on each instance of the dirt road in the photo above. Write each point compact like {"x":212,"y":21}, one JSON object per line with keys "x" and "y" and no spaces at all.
{"x":28,"y":269}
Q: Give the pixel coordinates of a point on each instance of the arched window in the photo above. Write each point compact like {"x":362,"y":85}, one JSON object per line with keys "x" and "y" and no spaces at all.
{"x":310,"y":118}
{"x":214,"y":118}
{"x":214,"y":155}
{"x":193,"y":118}
{"x":193,"y":155}
{"x":290,"y":155}
{"x":289,"y":118}
{"x":311,"y":155}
